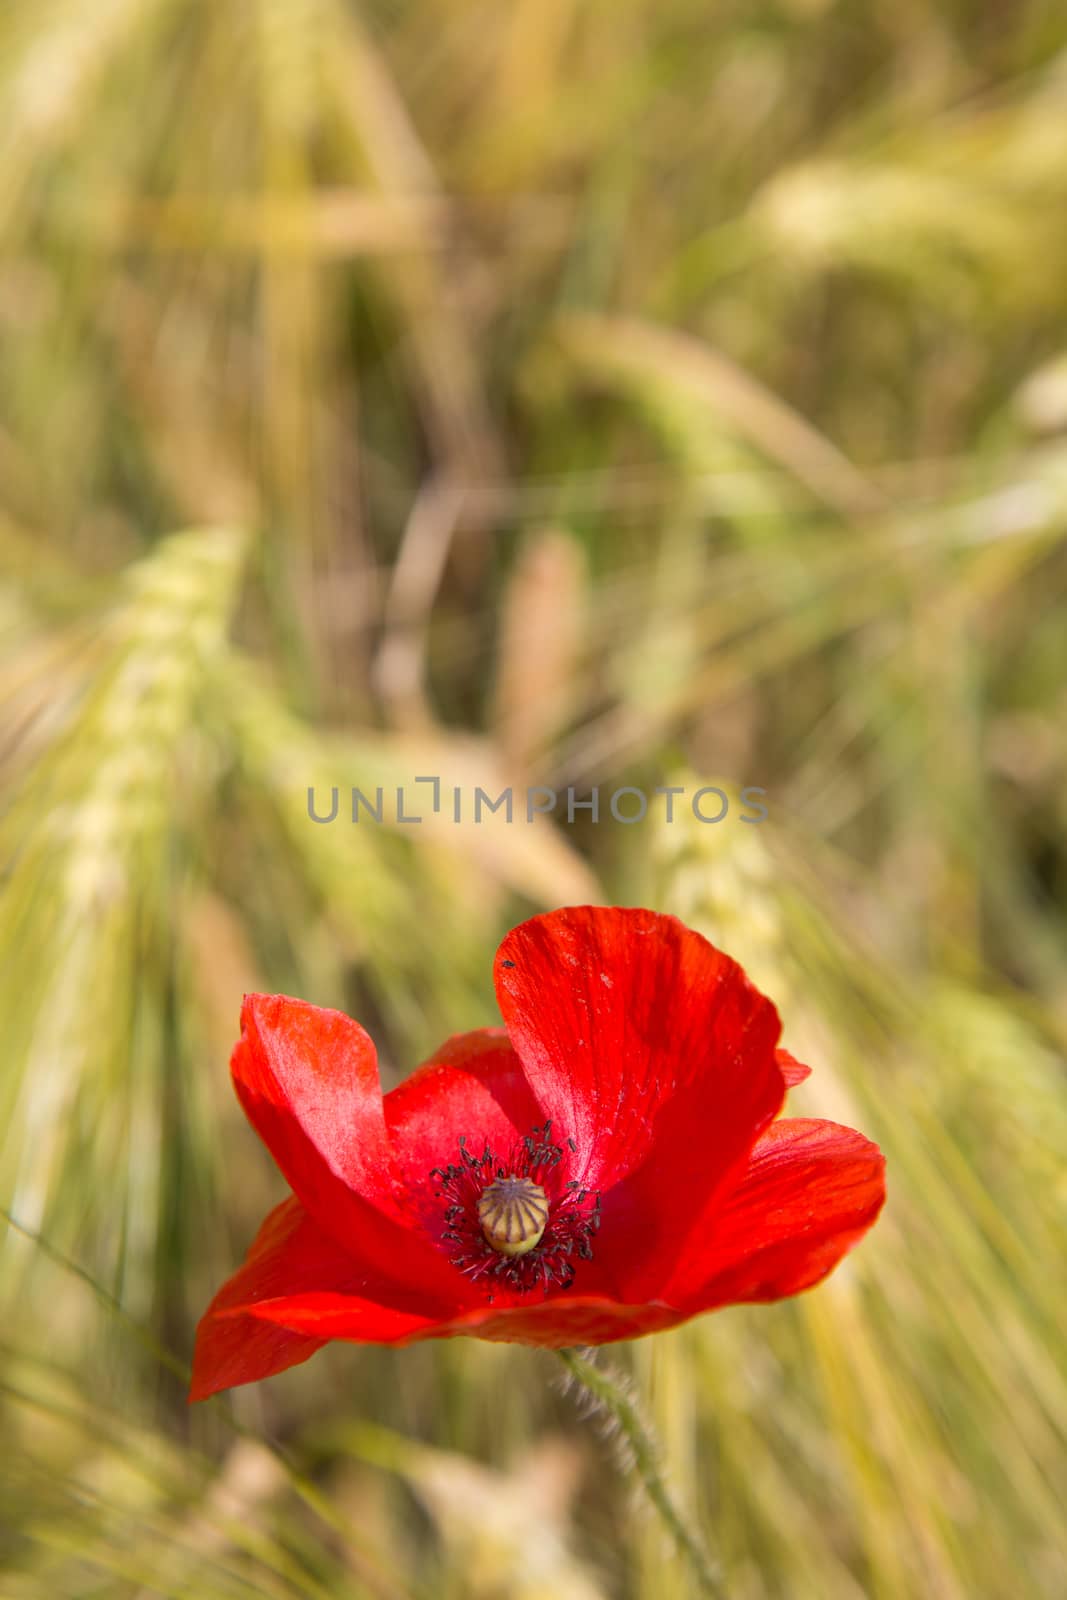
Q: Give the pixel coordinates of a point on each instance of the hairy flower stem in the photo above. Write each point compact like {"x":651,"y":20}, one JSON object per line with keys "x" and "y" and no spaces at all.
{"x":609,"y":1393}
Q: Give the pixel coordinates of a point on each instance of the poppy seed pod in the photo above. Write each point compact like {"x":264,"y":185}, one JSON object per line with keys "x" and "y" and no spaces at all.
{"x":513,"y":1212}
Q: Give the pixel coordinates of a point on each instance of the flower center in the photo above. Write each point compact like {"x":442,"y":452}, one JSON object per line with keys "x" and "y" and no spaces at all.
{"x":513,"y":1212}
{"x":517,"y":1221}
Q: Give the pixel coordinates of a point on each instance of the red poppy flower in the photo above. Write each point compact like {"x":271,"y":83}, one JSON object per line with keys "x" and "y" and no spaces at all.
{"x":605,"y":1165}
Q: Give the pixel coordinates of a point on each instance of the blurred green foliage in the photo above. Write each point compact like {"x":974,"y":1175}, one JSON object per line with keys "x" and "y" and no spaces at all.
{"x":535,"y":393}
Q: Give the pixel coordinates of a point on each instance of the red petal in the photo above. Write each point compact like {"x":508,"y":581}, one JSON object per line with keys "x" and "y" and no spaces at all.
{"x":293,"y":1263}
{"x":307,"y":1076}
{"x":555,"y":1323}
{"x":229,"y":1350}
{"x":568,"y":1320}
{"x":630,"y":1026}
{"x":332,"y":1315}
{"x":810,"y":1191}
{"x":308,"y":1081}
{"x":792,"y":1070}
{"x":473,"y":1086}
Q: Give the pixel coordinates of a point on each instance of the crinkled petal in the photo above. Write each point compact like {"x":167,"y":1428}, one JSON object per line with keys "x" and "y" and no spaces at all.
{"x":644,"y":1043}
{"x":811,"y":1189}
{"x":308,"y":1081}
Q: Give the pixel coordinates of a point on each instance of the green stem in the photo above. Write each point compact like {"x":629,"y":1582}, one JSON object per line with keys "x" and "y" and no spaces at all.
{"x":609,"y":1392}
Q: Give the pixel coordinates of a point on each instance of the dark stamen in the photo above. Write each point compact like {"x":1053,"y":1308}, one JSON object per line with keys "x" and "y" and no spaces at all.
{"x":486,"y":1244}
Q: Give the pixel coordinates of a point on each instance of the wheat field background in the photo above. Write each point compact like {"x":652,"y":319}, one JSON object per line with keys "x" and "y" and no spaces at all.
{"x":557,"y":394}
